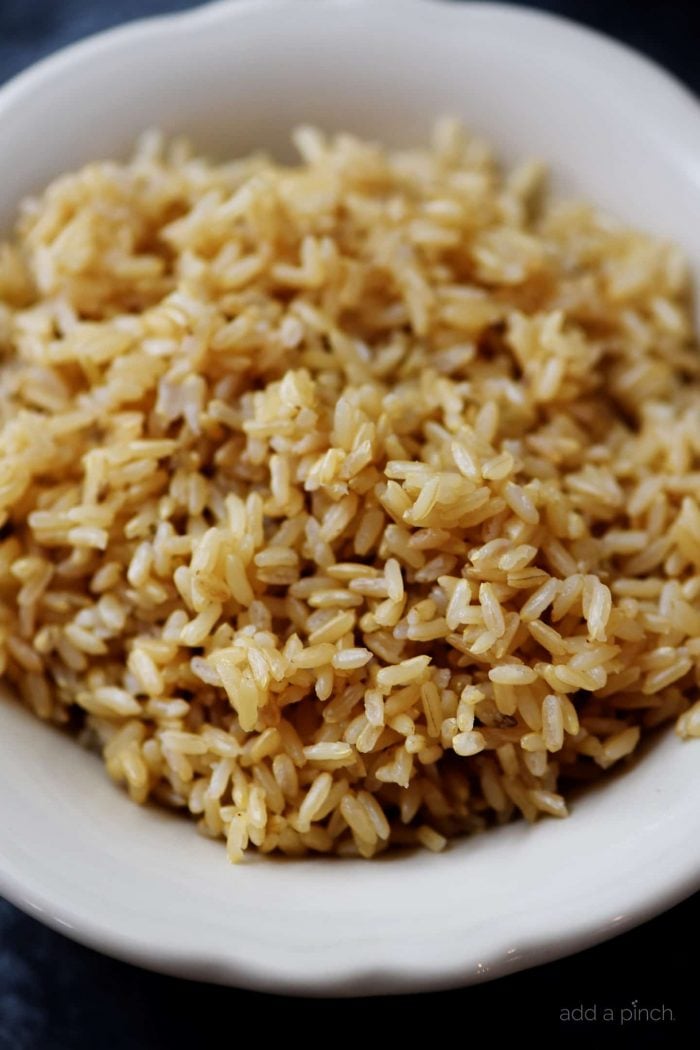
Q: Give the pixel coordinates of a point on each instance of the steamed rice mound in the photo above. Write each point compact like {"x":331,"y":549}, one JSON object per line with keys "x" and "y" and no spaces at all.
{"x":349,"y":503}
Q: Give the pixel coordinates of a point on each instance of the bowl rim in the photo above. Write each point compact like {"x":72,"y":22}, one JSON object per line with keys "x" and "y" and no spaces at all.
{"x":673,"y":98}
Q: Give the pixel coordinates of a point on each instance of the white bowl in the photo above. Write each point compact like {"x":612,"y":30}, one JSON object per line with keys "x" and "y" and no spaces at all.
{"x":139,"y":883}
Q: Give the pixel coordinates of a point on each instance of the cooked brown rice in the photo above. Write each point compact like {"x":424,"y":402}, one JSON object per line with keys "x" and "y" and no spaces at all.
{"x":351,"y":503}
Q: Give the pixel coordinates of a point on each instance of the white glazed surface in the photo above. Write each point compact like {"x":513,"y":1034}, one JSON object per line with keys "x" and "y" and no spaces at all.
{"x":140,"y":883}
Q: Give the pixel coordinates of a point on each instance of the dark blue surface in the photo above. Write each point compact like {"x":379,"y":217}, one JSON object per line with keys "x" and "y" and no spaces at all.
{"x":55,"y":995}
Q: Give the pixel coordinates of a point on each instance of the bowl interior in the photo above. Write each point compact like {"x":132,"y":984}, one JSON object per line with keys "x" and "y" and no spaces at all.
{"x":141,"y":883}
{"x":238,"y":75}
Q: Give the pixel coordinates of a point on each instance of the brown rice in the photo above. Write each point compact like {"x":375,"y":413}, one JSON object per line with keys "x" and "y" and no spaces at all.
{"x":351,"y":503}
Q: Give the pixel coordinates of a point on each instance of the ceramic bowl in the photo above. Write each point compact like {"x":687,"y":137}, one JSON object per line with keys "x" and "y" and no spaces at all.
{"x":139,"y":883}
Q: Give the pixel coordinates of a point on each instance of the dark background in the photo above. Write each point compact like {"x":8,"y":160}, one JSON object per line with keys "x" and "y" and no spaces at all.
{"x":56,"y":995}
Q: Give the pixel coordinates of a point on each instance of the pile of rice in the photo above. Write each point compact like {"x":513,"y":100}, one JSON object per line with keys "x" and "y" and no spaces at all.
{"x":346,"y":504}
